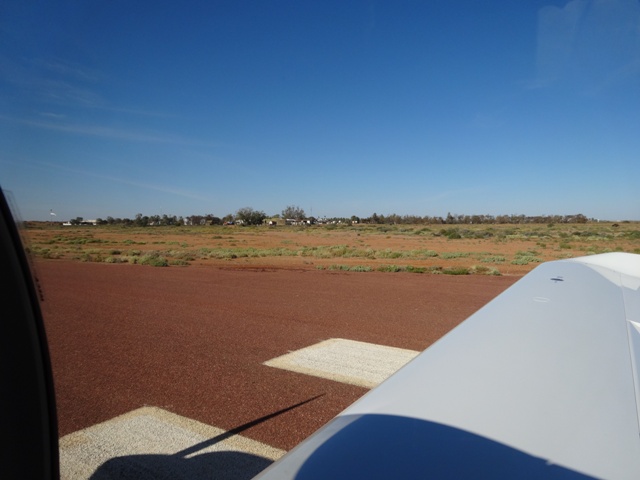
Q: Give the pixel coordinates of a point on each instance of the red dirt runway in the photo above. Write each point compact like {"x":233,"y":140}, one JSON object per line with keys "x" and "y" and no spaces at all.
{"x":192,"y":340}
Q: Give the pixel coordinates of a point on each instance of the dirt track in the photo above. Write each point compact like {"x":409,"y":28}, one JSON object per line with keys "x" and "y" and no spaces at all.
{"x":192,"y":340}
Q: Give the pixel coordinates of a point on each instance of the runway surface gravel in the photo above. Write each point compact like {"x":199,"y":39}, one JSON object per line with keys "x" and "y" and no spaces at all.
{"x":192,"y":340}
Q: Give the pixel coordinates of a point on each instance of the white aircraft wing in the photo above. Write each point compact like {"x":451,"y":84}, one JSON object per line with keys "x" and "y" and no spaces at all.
{"x":542,"y":382}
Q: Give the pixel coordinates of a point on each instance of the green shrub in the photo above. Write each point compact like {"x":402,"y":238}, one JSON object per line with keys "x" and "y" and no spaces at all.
{"x":389,"y":268}
{"x":347,"y":268}
{"x":85,"y":257}
{"x":412,"y":269}
{"x":388,"y":253}
{"x":455,"y":271}
{"x":483,"y":270}
{"x":360,"y":268}
{"x":523,"y":260}
{"x":450,"y":255}
{"x":483,"y":234}
{"x":526,"y":257}
{"x":113,"y":260}
{"x":451,"y":233}
{"x":154,"y":259}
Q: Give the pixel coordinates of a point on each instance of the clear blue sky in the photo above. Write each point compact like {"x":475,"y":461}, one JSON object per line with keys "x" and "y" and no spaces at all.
{"x":343,"y":108}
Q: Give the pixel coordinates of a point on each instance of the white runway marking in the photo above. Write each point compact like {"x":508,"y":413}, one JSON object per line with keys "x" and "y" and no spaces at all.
{"x":347,"y":361}
{"x":153,"y":443}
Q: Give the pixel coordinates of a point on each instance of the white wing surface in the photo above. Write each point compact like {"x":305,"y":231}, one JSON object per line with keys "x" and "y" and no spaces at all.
{"x":542,"y":382}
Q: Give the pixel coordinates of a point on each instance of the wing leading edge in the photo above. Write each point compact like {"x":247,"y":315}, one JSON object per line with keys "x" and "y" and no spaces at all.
{"x":541,"y":382}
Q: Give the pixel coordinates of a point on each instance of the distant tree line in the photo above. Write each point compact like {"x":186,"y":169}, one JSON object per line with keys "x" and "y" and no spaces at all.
{"x":249,"y":216}
{"x":456,"y":219}
{"x":141,"y":220}
{"x":244,"y":216}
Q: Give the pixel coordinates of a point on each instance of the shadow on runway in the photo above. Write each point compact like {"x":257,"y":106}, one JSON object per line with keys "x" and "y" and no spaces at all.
{"x":219,"y":465}
{"x":222,"y":465}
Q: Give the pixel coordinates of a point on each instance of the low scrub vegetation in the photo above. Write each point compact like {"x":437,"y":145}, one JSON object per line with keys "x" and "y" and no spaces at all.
{"x":453,"y":249}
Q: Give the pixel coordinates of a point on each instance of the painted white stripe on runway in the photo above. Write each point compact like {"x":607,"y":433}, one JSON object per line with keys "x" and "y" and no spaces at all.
{"x":347,"y":361}
{"x":153,"y":443}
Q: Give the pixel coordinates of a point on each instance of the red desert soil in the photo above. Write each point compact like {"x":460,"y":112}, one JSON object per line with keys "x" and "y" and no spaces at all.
{"x":192,"y":340}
